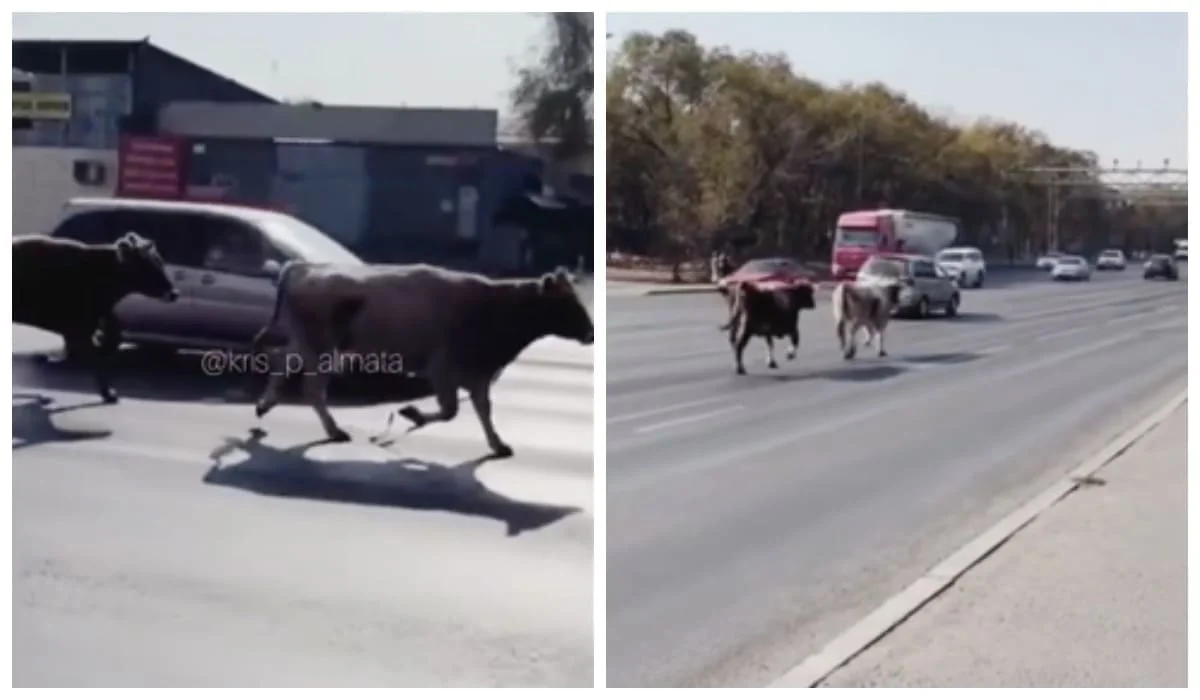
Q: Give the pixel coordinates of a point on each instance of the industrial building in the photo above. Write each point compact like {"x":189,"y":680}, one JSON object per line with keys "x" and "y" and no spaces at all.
{"x":393,"y":184}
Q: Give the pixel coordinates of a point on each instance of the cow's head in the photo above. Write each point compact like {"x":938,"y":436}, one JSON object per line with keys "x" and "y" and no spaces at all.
{"x":563,"y":314}
{"x":804,"y":296}
{"x":143,"y":269}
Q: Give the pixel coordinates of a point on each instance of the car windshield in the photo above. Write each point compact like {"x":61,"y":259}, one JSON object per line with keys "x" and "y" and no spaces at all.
{"x":311,"y":243}
{"x":770,"y":266}
{"x":950,"y":257}
{"x":856,"y":237}
{"x":1160,"y":258}
{"x":1111,"y":254}
{"x":1070,"y":261}
{"x":885,"y":267}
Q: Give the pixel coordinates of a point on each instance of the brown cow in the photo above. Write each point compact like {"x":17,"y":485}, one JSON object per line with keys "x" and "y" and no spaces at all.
{"x":460,"y":330}
{"x":768,"y":314}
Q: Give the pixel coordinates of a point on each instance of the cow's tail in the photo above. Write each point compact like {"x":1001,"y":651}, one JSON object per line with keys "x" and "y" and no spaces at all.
{"x":738,"y":306}
{"x":285,"y":274}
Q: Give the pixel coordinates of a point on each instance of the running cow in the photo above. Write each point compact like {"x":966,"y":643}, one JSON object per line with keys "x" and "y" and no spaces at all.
{"x":769,"y":313}
{"x":69,"y":288}
{"x":856,"y":306}
{"x":457,"y":329}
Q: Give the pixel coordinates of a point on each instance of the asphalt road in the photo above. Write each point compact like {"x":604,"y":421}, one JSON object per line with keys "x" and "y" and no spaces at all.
{"x":158,"y":542}
{"x":751,"y":519}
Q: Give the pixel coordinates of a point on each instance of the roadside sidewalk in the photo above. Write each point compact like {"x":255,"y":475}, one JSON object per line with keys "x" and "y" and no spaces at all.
{"x":1093,"y":593}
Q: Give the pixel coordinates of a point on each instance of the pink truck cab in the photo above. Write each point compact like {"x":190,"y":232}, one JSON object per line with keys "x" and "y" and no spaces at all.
{"x":861,"y":234}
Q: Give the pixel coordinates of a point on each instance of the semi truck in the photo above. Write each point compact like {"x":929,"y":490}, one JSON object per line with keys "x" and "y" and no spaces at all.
{"x":861,"y":234}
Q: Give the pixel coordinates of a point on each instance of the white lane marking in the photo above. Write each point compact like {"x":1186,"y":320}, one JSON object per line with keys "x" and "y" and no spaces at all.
{"x":626,"y":417}
{"x":688,"y":419}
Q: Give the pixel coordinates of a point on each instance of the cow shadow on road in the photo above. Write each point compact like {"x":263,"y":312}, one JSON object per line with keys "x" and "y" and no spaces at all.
{"x":33,"y":421}
{"x":870,"y":368}
{"x":400,"y":483}
{"x":161,"y":376}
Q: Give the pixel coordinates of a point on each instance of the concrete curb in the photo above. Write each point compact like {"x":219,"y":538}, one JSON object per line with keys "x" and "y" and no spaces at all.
{"x":894,"y":611}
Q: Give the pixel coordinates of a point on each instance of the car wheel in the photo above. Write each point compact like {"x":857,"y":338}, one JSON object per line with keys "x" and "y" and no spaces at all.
{"x":979,"y":281}
{"x":952,"y":306}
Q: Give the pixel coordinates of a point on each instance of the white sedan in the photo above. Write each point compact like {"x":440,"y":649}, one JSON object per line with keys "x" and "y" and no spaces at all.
{"x":1070,"y":268}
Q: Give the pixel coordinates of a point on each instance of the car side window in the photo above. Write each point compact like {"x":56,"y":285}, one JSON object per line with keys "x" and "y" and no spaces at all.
{"x":169,"y":231}
{"x":974,"y":257}
{"x":923,"y":268}
{"x":90,"y":227}
{"x":233,"y":247}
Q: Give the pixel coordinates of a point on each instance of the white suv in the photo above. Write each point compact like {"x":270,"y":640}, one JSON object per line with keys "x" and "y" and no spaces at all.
{"x":963,"y":264}
{"x":1111,"y":259}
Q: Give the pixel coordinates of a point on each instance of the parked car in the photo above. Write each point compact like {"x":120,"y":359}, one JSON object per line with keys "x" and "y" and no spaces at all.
{"x":224,"y":260}
{"x":1160,"y":267}
{"x":1111,"y":259}
{"x":769,"y":272}
{"x":1046,"y":262}
{"x":925,"y":286}
{"x":965,"y":264}
{"x":1071,"y":268}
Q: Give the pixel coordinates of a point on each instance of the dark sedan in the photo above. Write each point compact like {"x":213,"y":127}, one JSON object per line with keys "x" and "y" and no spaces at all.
{"x":1160,"y":267}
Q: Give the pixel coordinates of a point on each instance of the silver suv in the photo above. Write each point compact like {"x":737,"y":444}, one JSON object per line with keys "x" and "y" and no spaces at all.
{"x":924,"y":285}
{"x":224,"y":260}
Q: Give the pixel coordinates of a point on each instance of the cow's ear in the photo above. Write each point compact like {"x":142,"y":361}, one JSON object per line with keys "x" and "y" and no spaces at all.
{"x":124,"y":248}
{"x":563,"y":275}
{"x":549,"y":282}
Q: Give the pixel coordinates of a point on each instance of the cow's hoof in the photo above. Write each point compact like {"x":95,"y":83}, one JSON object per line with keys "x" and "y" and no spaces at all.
{"x":109,"y":397}
{"x":772,"y":365}
{"x":413,"y":414}
{"x":740,"y":370}
{"x":501,"y":451}
{"x":883,"y":353}
{"x":848,"y":355}
{"x":339,"y":435}
{"x":261,"y":410}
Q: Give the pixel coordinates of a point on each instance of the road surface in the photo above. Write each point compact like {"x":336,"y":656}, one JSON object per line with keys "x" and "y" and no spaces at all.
{"x":751,"y":519}
{"x":158,"y":542}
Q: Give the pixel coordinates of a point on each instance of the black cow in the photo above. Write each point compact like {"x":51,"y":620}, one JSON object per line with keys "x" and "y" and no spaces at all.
{"x":459,"y":330}
{"x":768,"y":314}
{"x":69,"y":288}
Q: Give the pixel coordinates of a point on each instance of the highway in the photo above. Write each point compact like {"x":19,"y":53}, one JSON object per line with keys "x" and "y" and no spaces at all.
{"x":751,"y":519}
{"x":161,"y":542}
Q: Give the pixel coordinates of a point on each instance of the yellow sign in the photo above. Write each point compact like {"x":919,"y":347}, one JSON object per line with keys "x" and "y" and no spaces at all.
{"x":41,"y":105}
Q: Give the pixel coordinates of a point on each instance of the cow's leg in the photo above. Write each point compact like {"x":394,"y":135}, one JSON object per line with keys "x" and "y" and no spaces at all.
{"x":107,"y":342}
{"x":316,"y":388}
{"x":882,"y":350}
{"x":850,"y":347}
{"x":794,"y":338}
{"x":771,"y":363}
{"x":841,"y":335}
{"x":739,"y":346}
{"x":446,"y":391}
{"x":481,"y":399}
{"x":276,"y":377}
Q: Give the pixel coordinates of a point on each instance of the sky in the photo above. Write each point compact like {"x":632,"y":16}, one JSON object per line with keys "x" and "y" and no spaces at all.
{"x":1115,"y":84}
{"x":424,"y":60}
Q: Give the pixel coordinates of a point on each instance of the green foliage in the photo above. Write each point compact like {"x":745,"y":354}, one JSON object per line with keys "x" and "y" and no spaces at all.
{"x":705,"y":146}
{"x":553,"y":98}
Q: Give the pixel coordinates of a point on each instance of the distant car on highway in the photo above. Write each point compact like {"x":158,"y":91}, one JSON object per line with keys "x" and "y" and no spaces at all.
{"x":924,"y":285}
{"x":1046,"y":262}
{"x":1110,"y":259}
{"x":1160,"y":267}
{"x":966,"y":264}
{"x":1071,"y":268}
{"x":767,"y":273}
{"x":224,"y":260}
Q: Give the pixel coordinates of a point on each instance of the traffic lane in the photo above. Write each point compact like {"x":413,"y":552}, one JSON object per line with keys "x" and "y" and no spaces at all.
{"x":689,"y":375}
{"x":820,"y":540}
{"x":215,"y":557}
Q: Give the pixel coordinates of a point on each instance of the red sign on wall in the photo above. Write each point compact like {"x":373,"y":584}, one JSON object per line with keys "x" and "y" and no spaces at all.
{"x":150,"y":167}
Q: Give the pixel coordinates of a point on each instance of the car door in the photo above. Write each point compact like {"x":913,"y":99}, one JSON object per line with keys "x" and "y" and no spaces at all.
{"x":237,"y":291}
{"x":925,"y":276}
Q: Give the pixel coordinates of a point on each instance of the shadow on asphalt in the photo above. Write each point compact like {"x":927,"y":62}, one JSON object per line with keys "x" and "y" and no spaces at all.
{"x":178,"y":377}
{"x":400,"y":483}
{"x":866,"y":368}
{"x":33,"y":421}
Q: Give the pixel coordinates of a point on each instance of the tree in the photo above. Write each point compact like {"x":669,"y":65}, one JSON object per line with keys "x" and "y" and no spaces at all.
{"x":553,"y":98}
{"x":706,"y":146}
